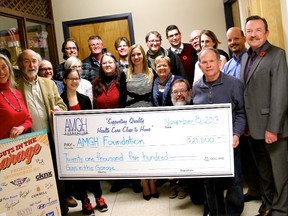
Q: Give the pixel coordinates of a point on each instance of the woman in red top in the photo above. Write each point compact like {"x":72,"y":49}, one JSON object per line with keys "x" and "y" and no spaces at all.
{"x":106,"y":85}
{"x":15,"y":118}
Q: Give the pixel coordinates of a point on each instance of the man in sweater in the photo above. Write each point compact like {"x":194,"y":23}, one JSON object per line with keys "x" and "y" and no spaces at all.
{"x":185,"y":51}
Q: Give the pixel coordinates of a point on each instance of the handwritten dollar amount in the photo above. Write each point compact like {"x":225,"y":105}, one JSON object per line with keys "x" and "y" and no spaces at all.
{"x":206,"y":139}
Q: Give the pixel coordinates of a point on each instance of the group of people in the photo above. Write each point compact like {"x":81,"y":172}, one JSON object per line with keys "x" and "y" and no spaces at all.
{"x":254,"y":81}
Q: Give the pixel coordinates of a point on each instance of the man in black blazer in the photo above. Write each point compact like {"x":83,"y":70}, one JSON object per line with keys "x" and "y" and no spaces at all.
{"x":265,"y":75}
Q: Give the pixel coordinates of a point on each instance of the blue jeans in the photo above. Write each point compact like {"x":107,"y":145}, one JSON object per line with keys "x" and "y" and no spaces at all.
{"x":215,"y":187}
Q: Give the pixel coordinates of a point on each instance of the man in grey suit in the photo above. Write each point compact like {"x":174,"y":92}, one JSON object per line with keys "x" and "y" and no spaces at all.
{"x":265,"y":75}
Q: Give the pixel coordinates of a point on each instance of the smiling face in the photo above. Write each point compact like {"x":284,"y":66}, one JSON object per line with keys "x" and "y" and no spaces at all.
{"x":153,"y":43}
{"x":256,"y":33}
{"x":136,"y":56}
{"x":108,"y":65}
{"x":180,"y":95}
{"x":72,"y":81}
{"x":162,"y":68}
{"x":174,"y":38}
{"x":4,"y":71}
{"x":206,"y":41}
{"x":236,"y":41}
{"x":95,"y":46}
{"x":209,"y":64}
{"x":29,"y":64}
{"x":70,"y":49}
{"x":122,"y":49}
{"x":195,"y":40}
{"x":45,"y":69}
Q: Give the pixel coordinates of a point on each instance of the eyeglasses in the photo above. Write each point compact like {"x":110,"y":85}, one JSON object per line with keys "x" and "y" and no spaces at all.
{"x":71,"y":48}
{"x":179,"y":92}
{"x":45,"y":69}
{"x":154,"y":41}
{"x":194,"y":39}
{"x":173,"y":35}
{"x":73,"y":79}
{"x":94,"y":45}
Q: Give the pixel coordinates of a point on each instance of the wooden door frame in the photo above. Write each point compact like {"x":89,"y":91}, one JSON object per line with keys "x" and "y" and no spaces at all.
{"x":125,"y":16}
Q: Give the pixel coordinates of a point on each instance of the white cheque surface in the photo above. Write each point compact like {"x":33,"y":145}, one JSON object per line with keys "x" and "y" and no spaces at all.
{"x":158,"y":142}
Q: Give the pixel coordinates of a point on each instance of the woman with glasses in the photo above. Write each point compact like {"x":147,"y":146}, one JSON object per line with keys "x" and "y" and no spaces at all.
{"x":71,"y":97}
{"x":107,"y":85}
{"x":77,"y":101}
{"x":85,"y":87}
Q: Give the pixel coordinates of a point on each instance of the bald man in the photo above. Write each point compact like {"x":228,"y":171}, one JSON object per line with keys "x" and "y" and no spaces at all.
{"x":194,"y":40}
{"x":236,"y":43}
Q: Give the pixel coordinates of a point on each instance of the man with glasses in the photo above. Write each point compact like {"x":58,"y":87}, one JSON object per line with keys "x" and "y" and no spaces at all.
{"x":181,"y":92}
{"x":46,"y":71}
{"x":71,"y":48}
{"x":153,"y":40}
{"x":195,"y":41}
{"x":95,"y":44}
{"x":185,"y":51}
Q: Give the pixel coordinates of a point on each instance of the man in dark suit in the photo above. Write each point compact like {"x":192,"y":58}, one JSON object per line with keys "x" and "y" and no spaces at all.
{"x":265,"y":75}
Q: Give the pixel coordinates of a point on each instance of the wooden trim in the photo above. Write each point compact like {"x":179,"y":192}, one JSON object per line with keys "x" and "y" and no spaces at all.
{"x":127,"y":16}
{"x":15,"y":14}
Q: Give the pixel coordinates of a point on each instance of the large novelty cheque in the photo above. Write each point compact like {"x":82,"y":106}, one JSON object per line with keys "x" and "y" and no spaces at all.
{"x":28,"y":185}
{"x":158,"y":142}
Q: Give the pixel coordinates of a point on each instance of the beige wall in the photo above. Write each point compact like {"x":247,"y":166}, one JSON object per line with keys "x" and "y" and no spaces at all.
{"x":147,"y":15}
{"x":284,"y":7}
{"x":272,"y":18}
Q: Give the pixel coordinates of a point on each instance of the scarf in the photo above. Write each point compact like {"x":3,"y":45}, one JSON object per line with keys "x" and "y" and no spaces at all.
{"x":166,"y":92}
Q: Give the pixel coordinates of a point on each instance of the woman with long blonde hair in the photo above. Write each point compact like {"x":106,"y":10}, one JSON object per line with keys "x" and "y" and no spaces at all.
{"x":136,"y":91}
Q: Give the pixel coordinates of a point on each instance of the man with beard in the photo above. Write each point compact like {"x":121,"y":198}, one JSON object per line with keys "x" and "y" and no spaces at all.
{"x":181,"y":92}
{"x":236,"y":43}
{"x":42,"y":98}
